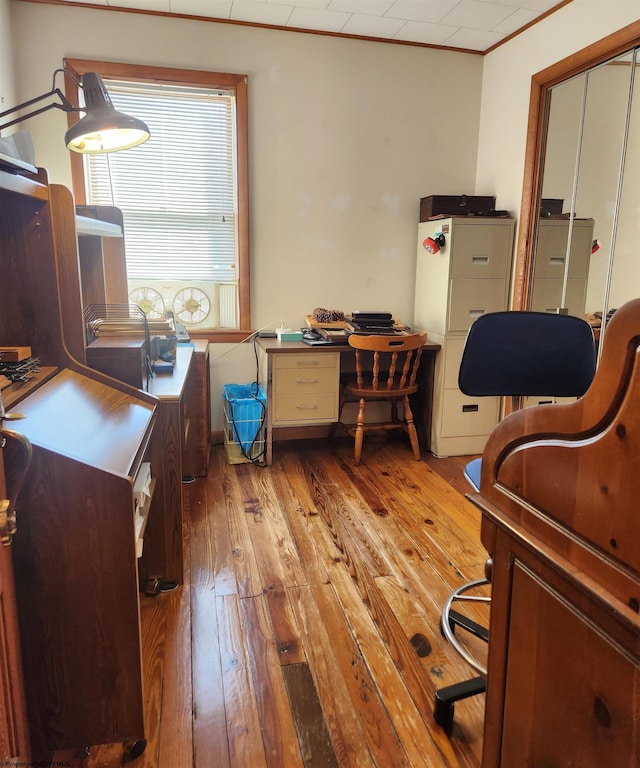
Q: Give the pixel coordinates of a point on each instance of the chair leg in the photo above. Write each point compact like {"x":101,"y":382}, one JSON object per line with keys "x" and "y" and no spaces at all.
{"x":359,"y":433}
{"x":411,"y":428}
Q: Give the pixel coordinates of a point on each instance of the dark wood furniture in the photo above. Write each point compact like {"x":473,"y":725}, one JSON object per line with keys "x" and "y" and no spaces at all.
{"x":195,"y":461}
{"x":75,"y":548}
{"x":163,"y":560}
{"x":559,"y":496}
{"x":14,"y":738}
{"x":122,"y":357}
{"x":320,"y":395}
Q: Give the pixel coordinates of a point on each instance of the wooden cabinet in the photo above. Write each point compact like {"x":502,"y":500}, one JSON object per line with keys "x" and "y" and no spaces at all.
{"x":162,"y":558}
{"x":75,"y":548}
{"x":76,"y":563}
{"x":466,"y":278}
{"x":195,"y":462}
{"x":14,"y":741}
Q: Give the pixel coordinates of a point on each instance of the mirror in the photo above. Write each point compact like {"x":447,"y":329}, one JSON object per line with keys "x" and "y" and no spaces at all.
{"x":577,"y":250}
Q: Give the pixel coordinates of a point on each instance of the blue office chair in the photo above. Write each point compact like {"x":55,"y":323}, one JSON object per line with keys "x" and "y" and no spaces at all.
{"x":510,"y":354}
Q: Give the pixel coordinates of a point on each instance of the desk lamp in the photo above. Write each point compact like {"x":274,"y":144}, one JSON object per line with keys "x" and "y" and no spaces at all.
{"x":102,"y":129}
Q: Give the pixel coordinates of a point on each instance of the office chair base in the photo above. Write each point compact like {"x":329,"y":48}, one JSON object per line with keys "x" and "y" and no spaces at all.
{"x":445,"y":698}
{"x":459,"y":620}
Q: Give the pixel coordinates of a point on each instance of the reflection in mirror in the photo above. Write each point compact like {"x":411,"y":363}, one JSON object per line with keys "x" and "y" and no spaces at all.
{"x":625,"y":273}
{"x":584,"y":260}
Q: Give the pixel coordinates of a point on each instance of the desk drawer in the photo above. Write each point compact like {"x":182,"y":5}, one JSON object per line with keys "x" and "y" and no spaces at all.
{"x":307,"y":361}
{"x":305,"y":408}
{"x":293,"y":381}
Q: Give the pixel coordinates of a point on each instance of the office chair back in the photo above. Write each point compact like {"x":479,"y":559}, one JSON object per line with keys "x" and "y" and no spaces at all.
{"x":527,"y":353}
{"x":519,"y":354}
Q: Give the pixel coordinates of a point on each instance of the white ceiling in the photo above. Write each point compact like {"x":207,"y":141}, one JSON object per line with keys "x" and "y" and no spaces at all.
{"x":469,"y":24}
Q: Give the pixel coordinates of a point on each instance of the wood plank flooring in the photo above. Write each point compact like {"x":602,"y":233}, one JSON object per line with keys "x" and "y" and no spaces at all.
{"x":306,"y":633}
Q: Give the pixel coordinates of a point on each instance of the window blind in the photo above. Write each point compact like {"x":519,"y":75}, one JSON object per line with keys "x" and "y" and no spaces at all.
{"x":178,"y":190}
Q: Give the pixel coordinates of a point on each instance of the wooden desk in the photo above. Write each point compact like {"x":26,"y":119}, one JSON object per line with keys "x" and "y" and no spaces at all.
{"x":75,"y":561}
{"x":317,"y":388}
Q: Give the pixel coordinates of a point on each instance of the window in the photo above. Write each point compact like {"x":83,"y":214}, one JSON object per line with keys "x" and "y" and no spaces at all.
{"x":183,"y":194}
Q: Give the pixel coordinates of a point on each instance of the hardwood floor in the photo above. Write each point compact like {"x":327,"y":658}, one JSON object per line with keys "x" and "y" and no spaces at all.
{"x":306,"y":632}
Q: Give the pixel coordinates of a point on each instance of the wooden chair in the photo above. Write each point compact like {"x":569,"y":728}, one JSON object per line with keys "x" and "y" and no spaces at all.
{"x":392,"y":375}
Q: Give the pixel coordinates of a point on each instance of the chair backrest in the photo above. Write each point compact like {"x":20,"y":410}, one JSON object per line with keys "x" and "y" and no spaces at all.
{"x":395,"y":357}
{"x":528,"y":353}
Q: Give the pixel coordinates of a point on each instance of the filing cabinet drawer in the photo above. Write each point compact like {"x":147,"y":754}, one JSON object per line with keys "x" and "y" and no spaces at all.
{"x":533,"y":400}
{"x":551,"y":249}
{"x":547,"y":295}
{"x":468,"y":299}
{"x":305,"y":380}
{"x":481,"y":252}
{"x":463,"y":416}
{"x":305,"y":408}
{"x":453,"y":356}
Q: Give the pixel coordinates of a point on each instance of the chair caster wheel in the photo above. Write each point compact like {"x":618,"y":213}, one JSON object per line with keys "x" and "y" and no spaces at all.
{"x":134,"y":748}
{"x":443,"y":712}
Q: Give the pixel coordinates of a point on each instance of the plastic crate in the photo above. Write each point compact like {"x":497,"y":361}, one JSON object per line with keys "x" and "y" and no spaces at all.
{"x":244,"y":422}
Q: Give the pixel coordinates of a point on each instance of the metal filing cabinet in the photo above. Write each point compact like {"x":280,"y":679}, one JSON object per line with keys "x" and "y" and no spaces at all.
{"x":466,"y":278}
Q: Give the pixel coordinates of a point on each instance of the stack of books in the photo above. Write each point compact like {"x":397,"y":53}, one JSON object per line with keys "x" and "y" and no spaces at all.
{"x":373,"y":323}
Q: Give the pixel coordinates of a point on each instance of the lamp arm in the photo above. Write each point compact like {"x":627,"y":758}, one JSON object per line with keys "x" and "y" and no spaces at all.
{"x":65,"y":106}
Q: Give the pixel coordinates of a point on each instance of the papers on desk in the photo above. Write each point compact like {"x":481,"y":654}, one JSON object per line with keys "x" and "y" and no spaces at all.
{"x":141,"y":496}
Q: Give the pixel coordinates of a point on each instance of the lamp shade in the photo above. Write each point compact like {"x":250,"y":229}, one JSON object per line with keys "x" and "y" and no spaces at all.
{"x":103,"y":128}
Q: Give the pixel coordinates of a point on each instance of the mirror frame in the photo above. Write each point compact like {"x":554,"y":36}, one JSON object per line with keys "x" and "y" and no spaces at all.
{"x":608,"y":48}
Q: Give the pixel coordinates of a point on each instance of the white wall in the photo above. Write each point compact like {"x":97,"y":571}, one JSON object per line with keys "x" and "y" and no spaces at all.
{"x":345,"y":136}
{"x":7,"y":97}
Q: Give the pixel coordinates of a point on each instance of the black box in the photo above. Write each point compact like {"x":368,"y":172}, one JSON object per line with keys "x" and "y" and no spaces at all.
{"x":551,"y":206}
{"x":454,"y":205}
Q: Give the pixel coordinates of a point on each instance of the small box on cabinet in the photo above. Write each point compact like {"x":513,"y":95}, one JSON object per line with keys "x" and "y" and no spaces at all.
{"x":455,"y":205}
{"x":124,"y":358}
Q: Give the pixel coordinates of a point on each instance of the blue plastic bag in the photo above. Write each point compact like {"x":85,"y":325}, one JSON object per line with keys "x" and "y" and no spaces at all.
{"x":246,"y":404}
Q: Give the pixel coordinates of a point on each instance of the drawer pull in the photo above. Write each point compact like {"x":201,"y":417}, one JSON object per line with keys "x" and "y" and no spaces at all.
{"x":306,"y":363}
{"x":479,"y":259}
{"x":556,"y":261}
{"x":474,"y":408}
{"x":307,"y":381}
{"x":475,"y":313}
{"x":302,"y":407}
